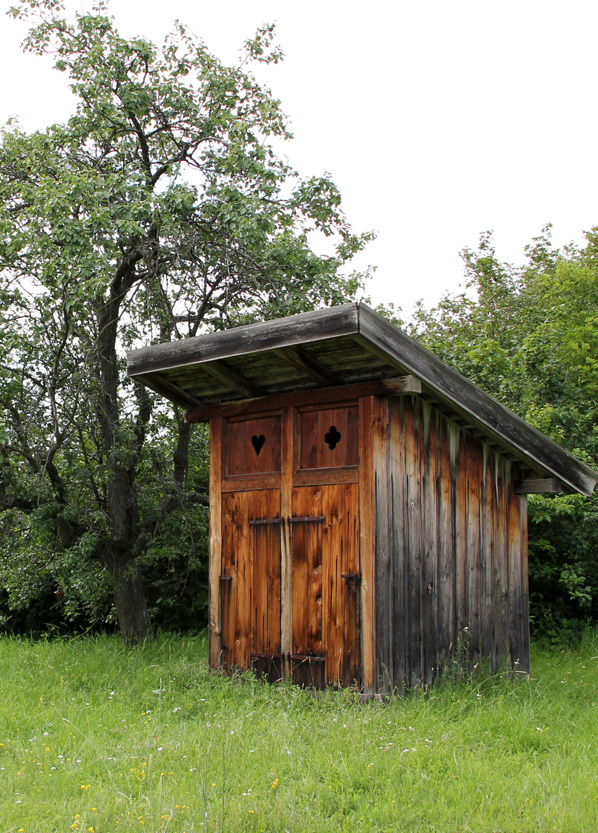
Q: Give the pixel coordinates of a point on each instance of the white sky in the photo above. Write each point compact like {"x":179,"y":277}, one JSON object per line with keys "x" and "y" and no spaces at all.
{"x":437,"y":119}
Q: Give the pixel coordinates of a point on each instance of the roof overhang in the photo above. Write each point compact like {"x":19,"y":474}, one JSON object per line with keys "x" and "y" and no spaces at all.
{"x":339,"y":346}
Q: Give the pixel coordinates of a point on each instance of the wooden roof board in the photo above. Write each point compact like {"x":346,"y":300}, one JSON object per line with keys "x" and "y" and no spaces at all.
{"x":252,"y":338}
{"x":356,"y":344}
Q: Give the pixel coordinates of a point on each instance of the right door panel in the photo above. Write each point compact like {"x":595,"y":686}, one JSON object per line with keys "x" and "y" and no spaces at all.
{"x":326,"y":579}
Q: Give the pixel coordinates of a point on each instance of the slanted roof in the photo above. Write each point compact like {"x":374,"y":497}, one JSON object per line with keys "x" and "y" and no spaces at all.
{"x":339,"y":346}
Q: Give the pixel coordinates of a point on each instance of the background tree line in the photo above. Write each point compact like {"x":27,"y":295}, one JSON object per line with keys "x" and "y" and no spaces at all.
{"x":158,"y":211}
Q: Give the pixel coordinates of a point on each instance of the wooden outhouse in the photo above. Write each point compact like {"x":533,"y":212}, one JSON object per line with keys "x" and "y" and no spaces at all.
{"x":367,"y":502}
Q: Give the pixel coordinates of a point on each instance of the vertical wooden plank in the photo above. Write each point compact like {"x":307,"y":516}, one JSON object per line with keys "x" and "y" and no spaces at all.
{"x":215,"y":540}
{"x":525,"y":638}
{"x":350,"y":589}
{"x":242,"y":588}
{"x":429,"y":612}
{"x":413,"y":456}
{"x":503,"y":510}
{"x":473,"y":455}
{"x":353,"y":436}
{"x":309,"y":439}
{"x":330,"y":624}
{"x":317,"y":592}
{"x":226,"y":583}
{"x":395,"y":620}
{"x":307,"y":542}
{"x":514,"y":569}
{"x":266,"y":576}
{"x":446,"y":554}
{"x":367,"y":417}
{"x":518,"y":598}
{"x":291,"y":448}
{"x":383,"y":554}
{"x":497,"y":562}
{"x":300,"y":572}
{"x":486,"y":561}
{"x":258,"y":577}
{"x":460,"y":531}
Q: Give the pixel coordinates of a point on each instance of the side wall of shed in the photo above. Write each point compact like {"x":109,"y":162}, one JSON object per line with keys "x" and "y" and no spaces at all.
{"x":451,"y":549}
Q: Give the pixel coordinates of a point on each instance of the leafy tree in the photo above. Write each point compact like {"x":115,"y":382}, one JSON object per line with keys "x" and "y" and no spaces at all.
{"x":529,"y":336}
{"x":159,"y":210}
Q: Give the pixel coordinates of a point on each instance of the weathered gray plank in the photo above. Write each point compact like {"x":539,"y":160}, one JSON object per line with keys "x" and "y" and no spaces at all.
{"x":398,"y":611}
{"x":430,"y":545}
{"x":445,"y":582}
{"x":384,"y":565}
{"x":267,"y":335}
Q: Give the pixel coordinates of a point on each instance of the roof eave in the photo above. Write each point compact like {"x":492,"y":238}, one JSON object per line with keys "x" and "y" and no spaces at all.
{"x":495,"y":419}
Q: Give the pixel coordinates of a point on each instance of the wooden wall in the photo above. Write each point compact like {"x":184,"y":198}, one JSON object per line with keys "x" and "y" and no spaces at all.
{"x":450,"y":548}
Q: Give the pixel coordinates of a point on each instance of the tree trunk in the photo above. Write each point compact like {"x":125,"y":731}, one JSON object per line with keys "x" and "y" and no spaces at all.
{"x":181,"y":454}
{"x":121,"y":454}
{"x":129,"y":596}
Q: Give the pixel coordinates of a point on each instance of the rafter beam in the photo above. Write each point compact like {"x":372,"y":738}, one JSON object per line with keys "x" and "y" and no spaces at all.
{"x":169,"y":390}
{"x":539,"y":486}
{"x":301,"y":361}
{"x":232,"y":377}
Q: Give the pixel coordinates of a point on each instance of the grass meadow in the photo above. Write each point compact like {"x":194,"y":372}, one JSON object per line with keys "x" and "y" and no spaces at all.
{"x":99,"y":738}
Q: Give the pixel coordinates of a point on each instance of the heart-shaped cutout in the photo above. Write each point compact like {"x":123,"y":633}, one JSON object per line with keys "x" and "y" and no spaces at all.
{"x":258,"y":443}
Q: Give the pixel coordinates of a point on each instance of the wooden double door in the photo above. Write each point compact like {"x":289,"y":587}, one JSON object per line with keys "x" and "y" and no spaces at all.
{"x":289,"y":581}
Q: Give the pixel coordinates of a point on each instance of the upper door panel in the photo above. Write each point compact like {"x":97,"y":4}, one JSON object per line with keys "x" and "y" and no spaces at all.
{"x":251,"y":446}
{"x":329,"y":437}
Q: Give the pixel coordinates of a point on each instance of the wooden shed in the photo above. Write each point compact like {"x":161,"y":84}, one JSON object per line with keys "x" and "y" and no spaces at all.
{"x":367,"y":502}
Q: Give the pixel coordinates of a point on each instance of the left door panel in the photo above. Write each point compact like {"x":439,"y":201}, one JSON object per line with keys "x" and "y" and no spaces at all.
{"x":249,"y":582}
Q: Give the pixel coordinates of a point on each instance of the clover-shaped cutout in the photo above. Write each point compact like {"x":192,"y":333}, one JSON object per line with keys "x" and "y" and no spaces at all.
{"x":258,"y":443}
{"x":333,"y":437}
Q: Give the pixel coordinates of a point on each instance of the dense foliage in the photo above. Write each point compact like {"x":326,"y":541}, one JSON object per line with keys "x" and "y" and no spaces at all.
{"x":158,"y":211}
{"x":529,"y":336}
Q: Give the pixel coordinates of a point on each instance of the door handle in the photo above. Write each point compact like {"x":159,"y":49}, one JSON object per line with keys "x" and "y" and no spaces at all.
{"x":265,"y":521}
{"x":306,"y":519}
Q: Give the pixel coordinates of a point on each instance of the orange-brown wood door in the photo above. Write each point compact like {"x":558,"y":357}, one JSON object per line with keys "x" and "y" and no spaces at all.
{"x":249,"y":582}
{"x":324,"y":534}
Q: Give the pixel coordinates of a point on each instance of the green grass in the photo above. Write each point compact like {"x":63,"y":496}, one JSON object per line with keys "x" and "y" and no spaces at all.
{"x":96,"y":737}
